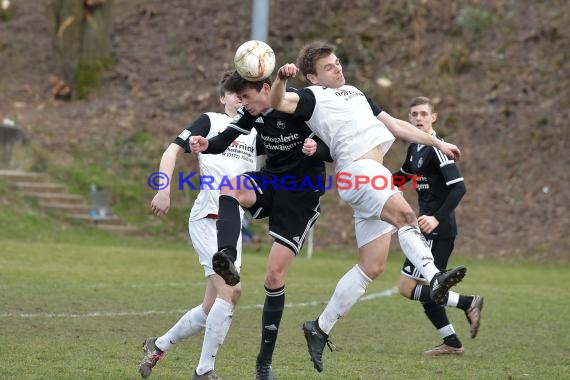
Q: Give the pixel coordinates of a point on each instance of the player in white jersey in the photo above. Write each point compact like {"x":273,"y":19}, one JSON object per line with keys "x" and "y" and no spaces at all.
{"x":359,"y":134}
{"x":216,"y":310}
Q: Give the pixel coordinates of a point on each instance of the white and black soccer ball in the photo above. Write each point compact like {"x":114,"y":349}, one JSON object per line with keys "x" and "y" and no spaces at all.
{"x":254,"y":60}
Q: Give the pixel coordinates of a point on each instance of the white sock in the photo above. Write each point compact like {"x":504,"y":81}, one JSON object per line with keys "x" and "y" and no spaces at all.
{"x":452,"y":299}
{"x":446,"y":331}
{"x":416,"y":250}
{"x":217,"y":327}
{"x":190,"y":323}
{"x":348,"y":290}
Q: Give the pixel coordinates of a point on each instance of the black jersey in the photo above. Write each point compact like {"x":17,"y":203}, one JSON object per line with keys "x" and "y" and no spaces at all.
{"x":282,"y":136}
{"x":439,"y":189}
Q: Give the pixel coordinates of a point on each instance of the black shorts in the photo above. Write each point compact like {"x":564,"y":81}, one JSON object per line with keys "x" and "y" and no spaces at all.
{"x":292,"y":209}
{"x":440,"y":249}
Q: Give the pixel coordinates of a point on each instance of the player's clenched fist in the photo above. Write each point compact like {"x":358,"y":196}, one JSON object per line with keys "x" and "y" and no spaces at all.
{"x":198,"y":144}
{"x":288,"y":70}
{"x":309,"y":147}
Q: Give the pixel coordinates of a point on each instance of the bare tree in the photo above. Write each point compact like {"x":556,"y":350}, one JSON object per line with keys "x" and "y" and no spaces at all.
{"x":82,"y":36}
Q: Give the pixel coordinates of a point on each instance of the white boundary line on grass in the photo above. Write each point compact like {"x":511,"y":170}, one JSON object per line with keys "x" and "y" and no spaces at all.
{"x":95,"y":314}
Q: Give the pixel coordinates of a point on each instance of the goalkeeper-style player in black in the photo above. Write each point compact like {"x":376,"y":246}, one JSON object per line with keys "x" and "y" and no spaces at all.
{"x":440,"y":188}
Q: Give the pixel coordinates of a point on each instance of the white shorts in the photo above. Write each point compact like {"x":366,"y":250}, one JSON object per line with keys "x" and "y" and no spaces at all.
{"x":204,"y":239}
{"x":367,"y":199}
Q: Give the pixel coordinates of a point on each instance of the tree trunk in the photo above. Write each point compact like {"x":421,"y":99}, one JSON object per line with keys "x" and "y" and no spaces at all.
{"x":82,"y":30}
{"x":96,"y":44}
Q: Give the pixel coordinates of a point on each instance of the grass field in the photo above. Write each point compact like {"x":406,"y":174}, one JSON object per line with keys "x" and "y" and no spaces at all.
{"x":81,"y":311}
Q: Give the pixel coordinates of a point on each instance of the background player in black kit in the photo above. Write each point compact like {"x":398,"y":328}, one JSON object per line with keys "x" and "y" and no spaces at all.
{"x":292,"y":209}
{"x":440,"y":188}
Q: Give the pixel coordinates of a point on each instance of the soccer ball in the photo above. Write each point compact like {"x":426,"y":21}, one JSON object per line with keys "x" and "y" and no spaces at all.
{"x":254,"y":60}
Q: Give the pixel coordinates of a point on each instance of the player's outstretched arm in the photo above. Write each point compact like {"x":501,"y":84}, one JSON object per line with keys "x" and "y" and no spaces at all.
{"x":242,"y":124}
{"x":406,"y":131}
{"x":280,"y":99}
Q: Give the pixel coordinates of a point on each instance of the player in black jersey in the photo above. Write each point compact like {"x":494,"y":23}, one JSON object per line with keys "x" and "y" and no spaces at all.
{"x":440,"y":188}
{"x":287,"y":190}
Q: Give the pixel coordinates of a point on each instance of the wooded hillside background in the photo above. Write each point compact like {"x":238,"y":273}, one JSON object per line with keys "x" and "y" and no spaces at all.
{"x":499,"y":71}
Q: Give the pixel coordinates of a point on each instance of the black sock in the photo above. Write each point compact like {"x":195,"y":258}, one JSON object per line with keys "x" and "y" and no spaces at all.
{"x":422,"y":293}
{"x":438,"y":318}
{"x":464,"y":302}
{"x":272,"y":313}
{"x":228,"y":225}
{"x":436,"y":315}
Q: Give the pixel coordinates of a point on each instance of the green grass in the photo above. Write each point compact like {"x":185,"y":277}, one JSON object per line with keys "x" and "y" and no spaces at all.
{"x":80,"y":311}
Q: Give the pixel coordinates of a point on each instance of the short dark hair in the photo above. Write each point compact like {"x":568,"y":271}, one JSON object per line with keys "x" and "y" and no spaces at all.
{"x":235,"y":83}
{"x":223,"y":81}
{"x":310,"y":53}
{"x":422,"y":100}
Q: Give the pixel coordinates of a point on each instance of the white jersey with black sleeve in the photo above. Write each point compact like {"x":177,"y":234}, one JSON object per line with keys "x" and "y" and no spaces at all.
{"x":345,"y":119}
{"x":216,"y":169}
